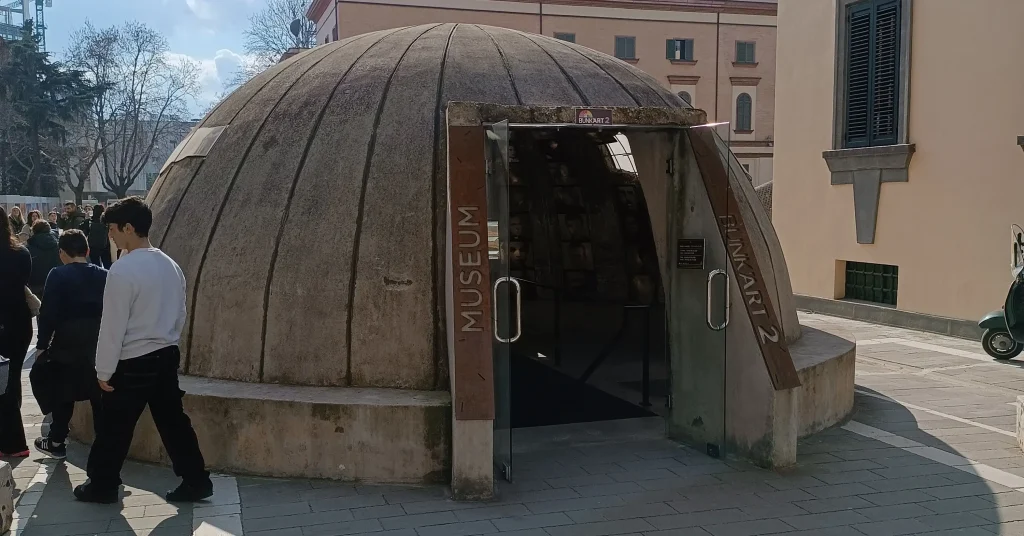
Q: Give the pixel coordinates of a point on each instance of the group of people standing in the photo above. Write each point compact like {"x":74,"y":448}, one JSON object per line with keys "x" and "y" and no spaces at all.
{"x":107,"y":333}
{"x":41,"y":236}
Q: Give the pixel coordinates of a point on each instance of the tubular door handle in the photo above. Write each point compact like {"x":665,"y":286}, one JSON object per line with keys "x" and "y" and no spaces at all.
{"x":519,"y":309}
{"x":711,"y":278}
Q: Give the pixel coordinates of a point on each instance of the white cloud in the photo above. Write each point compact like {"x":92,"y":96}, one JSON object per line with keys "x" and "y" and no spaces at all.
{"x":202,"y":9}
{"x":214,"y":73}
{"x":227,"y":63}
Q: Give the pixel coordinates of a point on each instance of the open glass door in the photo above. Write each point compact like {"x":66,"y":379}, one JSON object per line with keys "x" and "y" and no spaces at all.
{"x":506,"y":293}
{"x":698,"y":265}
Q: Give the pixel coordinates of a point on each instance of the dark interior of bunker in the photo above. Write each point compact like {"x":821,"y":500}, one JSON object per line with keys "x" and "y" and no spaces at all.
{"x":582,"y":248}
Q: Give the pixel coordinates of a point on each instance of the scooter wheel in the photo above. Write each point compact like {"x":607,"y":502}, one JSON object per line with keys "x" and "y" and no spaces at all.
{"x":999,"y":344}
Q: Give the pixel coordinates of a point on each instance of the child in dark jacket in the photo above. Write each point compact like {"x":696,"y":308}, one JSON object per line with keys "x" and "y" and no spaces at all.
{"x":69,"y":325}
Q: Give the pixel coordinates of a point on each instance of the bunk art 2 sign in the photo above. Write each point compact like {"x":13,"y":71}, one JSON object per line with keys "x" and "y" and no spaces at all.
{"x":750,"y":278}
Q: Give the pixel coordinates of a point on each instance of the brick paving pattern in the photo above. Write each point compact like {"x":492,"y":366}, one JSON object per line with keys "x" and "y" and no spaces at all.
{"x":930,"y":450}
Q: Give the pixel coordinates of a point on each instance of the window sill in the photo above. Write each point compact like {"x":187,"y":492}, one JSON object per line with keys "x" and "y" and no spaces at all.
{"x":683,"y":62}
{"x":743,"y":132}
{"x":866,"y":168}
{"x":892,"y":160}
{"x":630,"y":60}
{"x":744,"y":64}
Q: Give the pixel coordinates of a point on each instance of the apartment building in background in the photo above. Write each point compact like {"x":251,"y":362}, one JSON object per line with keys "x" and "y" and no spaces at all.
{"x":898,"y":162}
{"x":719,"y":55}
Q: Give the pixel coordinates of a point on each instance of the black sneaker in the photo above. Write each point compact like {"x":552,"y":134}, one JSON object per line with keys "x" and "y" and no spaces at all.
{"x":189,"y":493}
{"x":51,"y":449}
{"x":89,"y":493}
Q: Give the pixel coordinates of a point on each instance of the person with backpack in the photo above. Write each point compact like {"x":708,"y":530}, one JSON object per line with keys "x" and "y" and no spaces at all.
{"x":69,"y":327}
{"x":99,"y":241}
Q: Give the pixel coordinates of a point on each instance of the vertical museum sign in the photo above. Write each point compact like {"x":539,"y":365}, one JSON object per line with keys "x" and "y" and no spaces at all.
{"x":470,"y":317}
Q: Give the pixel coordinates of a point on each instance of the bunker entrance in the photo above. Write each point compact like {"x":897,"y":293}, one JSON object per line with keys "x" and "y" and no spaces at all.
{"x":604,"y":300}
{"x":582,"y":240}
{"x":582,"y":253}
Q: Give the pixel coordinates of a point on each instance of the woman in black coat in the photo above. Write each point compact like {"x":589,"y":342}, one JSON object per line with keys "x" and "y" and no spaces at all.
{"x":15,"y":335}
{"x":99,"y":240}
{"x":45,"y":255}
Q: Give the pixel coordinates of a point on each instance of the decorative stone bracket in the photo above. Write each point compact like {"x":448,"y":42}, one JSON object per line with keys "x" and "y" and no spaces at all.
{"x":866,"y":169}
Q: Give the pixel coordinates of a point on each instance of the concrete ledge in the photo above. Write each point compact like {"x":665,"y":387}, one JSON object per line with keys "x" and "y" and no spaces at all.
{"x":1020,"y":422}
{"x":7,"y":497}
{"x":964,"y":329}
{"x":826,"y":365}
{"x":353,"y":434}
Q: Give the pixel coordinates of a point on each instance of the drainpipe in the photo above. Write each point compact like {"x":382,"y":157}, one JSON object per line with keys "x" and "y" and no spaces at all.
{"x":541,"y":17}
{"x":718,"y":53}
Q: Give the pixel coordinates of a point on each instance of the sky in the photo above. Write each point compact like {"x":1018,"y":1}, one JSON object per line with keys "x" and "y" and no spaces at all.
{"x":208,"y":31}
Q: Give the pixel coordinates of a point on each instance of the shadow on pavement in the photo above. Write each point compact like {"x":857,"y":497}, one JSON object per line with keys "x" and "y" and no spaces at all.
{"x":844,"y":483}
{"x":918,"y":480}
{"x":142,"y":510}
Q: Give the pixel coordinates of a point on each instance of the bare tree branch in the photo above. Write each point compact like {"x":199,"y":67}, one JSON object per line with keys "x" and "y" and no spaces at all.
{"x":269,"y":36}
{"x":147,"y":93}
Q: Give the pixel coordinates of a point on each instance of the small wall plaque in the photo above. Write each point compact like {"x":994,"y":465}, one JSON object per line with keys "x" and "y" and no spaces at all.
{"x":690,"y":253}
{"x":593,"y":116}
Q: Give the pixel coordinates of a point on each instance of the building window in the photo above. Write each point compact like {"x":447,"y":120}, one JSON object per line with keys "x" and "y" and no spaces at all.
{"x":875,"y":283}
{"x":685,"y":95}
{"x":872,"y":84}
{"x":744,"y":52}
{"x":570,"y":37}
{"x":625,"y":48}
{"x":744,"y":110}
{"x":679,"y":49}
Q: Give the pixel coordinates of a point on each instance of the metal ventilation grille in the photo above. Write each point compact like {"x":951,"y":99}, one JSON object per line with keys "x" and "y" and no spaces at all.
{"x":876,"y":283}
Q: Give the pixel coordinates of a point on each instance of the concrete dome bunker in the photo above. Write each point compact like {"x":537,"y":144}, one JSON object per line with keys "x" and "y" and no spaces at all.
{"x":310,"y":214}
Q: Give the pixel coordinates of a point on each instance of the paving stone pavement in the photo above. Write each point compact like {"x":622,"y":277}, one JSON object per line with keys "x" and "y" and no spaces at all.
{"x":930,"y":450}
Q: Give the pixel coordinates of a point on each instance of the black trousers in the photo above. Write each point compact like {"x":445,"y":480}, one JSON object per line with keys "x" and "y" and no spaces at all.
{"x":62,"y":413}
{"x":14,"y":342}
{"x":151,"y":379}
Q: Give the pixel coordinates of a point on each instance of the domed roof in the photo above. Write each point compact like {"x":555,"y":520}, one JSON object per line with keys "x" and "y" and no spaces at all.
{"x":311,"y":234}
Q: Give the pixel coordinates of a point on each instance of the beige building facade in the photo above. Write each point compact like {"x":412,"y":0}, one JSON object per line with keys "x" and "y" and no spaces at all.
{"x":898,"y":170}
{"x":720,"y":54}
